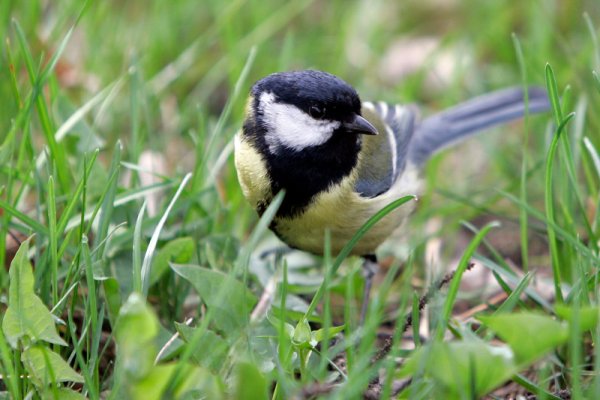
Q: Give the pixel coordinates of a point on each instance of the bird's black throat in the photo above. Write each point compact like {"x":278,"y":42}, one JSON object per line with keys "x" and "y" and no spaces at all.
{"x":305,"y":173}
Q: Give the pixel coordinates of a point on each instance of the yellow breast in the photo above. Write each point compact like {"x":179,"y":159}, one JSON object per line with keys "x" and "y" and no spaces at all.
{"x":252,"y":172}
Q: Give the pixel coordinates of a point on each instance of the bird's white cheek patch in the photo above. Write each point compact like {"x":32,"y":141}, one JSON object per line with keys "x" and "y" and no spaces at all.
{"x":290,"y":127}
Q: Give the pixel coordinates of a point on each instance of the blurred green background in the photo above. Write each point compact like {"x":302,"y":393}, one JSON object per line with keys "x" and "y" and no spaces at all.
{"x":188,"y":54}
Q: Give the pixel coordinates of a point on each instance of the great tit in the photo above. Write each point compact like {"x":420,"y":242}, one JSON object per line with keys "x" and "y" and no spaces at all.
{"x":341,"y":160}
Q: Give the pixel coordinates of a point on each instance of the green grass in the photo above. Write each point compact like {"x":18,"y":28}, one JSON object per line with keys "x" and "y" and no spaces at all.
{"x":137,"y":289}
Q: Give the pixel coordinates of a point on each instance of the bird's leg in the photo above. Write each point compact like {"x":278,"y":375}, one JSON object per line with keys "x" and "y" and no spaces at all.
{"x":370,"y":268}
{"x":276,"y":251}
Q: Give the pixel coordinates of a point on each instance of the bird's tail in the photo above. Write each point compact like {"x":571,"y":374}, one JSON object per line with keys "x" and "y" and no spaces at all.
{"x":454,"y":124}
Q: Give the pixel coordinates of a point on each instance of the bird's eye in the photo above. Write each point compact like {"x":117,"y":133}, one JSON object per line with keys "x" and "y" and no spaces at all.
{"x":316,"y":112}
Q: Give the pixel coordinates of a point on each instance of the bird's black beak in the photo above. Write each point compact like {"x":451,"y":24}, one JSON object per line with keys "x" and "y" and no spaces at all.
{"x":359,"y":125}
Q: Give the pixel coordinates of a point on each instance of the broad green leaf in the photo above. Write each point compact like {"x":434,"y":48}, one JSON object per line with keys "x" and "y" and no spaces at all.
{"x":26,"y":314}
{"x":530,"y":335}
{"x":45,"y":366}
{"x":250,"y":383}
{"x":288,"y":329}
{"x":229,"y":299}
{"x":294,"y":313}
{"x":135,"y":333}
{"x":459,"y":368}
{"x":321,"y":334}
{"x":587,"y":316}
{"x":211,"y":349}
{"x":221,"y":251}
{"x":137,"y":326}
{"x":198,"y":381}
{"x":302,"y":334}
{"x":63,"y":394}
{"x":179,"y":251}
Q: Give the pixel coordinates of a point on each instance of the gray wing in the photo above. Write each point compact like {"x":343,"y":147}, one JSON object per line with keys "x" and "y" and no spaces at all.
{"x":383,"y":156}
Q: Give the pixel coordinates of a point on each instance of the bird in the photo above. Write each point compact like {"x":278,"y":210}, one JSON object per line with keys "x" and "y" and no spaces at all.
{"x":340,"y":160}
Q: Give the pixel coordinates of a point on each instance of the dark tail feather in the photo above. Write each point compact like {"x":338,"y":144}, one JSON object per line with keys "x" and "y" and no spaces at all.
{"x":456,"y":123}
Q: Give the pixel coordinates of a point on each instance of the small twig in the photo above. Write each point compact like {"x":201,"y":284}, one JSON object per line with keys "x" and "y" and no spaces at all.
{"x":494,"y":301}
{"x":15,"y":238}
{"x":399,"y":385}
{"x":277,"y":251}
{"x":266,"y":298}
{"x":374,"y":390}
{"x":563,"y":394}
{"x":423,"y":300}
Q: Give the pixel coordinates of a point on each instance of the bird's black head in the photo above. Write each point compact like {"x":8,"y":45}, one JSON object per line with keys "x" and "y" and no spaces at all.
{"x":297,"y":110}
{"x":318,"y":94}
{"x":307,"y":126}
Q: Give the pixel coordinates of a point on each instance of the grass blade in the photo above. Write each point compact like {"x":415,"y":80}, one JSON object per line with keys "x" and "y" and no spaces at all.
{"x":514,"y":298}
{"x":108,"y":201}
{"x":593,"y":154}
{"x":223,"y":117}
{"x":460,"y":269}
{"x":57,"y":153}
{"x":147,"y":263}
{"x":31,"y":223}
{"x":137,"y":251}
{"x":70,"y":207}
{"x":523,"y":188}
{"x":53,"y":238}
{"x":549,"y":202}
{"x":553,"y":95}
{"x":243,"y":258}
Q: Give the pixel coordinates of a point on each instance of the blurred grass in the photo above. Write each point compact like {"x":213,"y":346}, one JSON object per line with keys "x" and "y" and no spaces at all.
{"x":171,"y":77}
